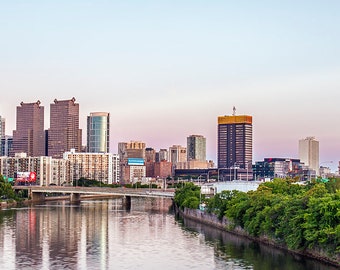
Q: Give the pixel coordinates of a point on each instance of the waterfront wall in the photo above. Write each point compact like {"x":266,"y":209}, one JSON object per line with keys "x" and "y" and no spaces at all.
{"x":226,"y":225}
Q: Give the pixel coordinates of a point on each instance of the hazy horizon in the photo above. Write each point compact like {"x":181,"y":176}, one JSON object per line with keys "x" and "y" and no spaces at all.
{"x":165,"y":70}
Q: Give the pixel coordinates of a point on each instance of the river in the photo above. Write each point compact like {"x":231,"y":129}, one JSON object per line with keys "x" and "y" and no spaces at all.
{"x":100,"y":234}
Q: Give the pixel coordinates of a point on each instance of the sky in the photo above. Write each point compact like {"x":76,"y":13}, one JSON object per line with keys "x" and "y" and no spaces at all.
{"x":167,"y":69}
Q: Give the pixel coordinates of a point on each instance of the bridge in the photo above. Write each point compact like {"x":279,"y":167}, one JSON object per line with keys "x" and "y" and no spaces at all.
{"x":38,"y":193}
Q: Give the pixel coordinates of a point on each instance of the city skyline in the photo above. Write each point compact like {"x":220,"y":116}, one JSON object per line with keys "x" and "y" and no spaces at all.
{"x":167,"y":70}
{"x":331,"y":164}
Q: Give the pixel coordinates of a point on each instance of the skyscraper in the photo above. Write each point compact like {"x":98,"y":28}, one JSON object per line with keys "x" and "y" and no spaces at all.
{"x":309,"y":153}
{"x":132,"y":149}
{"x":29,"y":134}
{"x":132,"y":160}
{"x":177,"y":154}
{"x":235,"y":141}
{"x":2,"y":127}
{"x":162,"y":154}
{"x":6,"y":145}
{"x":98,"y":132}
{"x":150,"y":154}
{"x":196,"y":148}
{"x":64,"y":133}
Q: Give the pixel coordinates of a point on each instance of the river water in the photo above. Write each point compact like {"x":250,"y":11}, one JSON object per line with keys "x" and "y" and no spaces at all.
{"x":100,"y":234}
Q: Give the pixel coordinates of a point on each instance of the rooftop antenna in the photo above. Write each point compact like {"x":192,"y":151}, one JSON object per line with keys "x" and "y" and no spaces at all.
{"x":234,"y":111}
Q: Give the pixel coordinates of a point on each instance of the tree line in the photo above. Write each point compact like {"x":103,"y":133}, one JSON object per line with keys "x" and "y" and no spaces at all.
{"x":297,"y":216}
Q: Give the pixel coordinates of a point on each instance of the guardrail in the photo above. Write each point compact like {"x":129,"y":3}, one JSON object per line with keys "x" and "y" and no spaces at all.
{"x":133,"y":192}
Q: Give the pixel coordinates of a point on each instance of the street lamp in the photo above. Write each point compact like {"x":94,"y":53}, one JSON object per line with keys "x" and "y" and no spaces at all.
{"x":200,"y":189}
{"x":199,"y":178}
{"x":218,"y":173}
{"x":235,"y":170}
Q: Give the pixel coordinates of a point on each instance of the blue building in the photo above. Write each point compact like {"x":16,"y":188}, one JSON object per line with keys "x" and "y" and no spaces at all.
{"x":6,"y":145}
{"x":281,"y":168}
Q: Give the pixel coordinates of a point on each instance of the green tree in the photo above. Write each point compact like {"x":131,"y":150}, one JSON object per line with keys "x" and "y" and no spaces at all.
{"x":333,"y":185}
{"x":255,"y":214}
{"x":298,"y":216}
{"x":289,"y":228}
{"x":6,"y":190}
{"x":188,"y":196}
{"x":237,"y":207}
{"x":321,"y":221}
{"x":219,"y":202}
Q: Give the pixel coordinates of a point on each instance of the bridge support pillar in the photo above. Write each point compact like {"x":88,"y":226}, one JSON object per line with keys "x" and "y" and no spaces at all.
{"x":74,"y":197}
{"x":127,"y":202}
{"x":37,"y":196}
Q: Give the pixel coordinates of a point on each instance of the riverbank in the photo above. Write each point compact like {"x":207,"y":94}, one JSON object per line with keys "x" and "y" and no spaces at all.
{"x":6,"y":204}
{"x":225,"y":225}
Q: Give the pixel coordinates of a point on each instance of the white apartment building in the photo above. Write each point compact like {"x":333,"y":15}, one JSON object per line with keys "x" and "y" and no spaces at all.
{"x":48,"y":170}
{"x":136,"y":173}
{"x":61,"y":172}
{"x":102,"y":167}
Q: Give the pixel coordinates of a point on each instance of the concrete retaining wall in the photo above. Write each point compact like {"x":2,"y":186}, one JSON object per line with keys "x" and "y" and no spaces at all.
{"x":224,"y":224}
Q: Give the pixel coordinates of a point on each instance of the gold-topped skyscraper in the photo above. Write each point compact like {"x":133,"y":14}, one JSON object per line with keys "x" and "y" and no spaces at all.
{"x":235,"y":141}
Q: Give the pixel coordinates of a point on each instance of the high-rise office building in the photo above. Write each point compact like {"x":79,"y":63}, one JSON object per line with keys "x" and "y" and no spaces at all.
{"x":177,"y":154}
{"x":309,"y":153}
{"x":64,"y":133}
{"x":162,"y":155}
{"x":98,"y":132}
{"x":132,"y":149}
{"x":6,"y":145}
{"x":150,"y":154}
{"x":29,"y":134}
{"x":132,"y":160}
{"x":196,"y":148}
{"x":2,"y":127}
{"x":235,"y":141}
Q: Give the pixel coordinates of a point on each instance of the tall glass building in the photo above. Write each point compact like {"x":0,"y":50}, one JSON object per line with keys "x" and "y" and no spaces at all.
{"x":6,"y":145}
{"x":98,"y":132}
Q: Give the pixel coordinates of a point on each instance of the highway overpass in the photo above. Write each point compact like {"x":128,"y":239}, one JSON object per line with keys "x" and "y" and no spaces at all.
{"x":38,"y":193}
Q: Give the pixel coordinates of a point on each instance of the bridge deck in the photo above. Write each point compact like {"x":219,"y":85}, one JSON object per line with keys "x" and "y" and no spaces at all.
{"x":133,"y":192}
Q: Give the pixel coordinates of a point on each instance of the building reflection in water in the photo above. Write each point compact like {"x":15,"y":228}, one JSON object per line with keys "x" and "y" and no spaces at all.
{"x":58,"y":234}
{"x":102,"y":235}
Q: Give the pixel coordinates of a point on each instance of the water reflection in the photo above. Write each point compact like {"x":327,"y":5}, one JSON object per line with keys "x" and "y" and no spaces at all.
{"x":62,"y":236}
{"x":247,"y":254}
{"x":102,"y":235}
